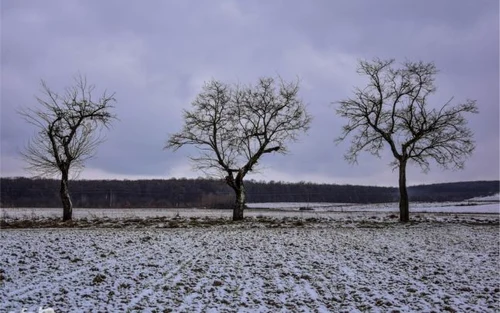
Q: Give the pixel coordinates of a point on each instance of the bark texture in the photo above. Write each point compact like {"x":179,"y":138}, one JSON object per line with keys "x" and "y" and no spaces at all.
{"x":66,"y":198}
{"x":404,"y":203}
{"x":239,"y":205}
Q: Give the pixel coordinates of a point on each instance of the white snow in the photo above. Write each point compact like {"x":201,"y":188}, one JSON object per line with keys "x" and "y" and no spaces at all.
{"x":417,"y":207}
{"x":495,"y":197}
{"x":268,"y":209}
{"x":346,"y":264}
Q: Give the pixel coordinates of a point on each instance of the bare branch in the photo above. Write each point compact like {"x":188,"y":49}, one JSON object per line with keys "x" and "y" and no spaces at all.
{"x":233,"y":126}
{"x":68,"y":128}
{"x":394,"y":109}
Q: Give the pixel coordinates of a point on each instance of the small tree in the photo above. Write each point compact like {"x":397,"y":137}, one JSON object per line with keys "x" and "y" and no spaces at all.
{"x":394,"y":109}
{"x":234,"y":126}
{"x":68,"y":132}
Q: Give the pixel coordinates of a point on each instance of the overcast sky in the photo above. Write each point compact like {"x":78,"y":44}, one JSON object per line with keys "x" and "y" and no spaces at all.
{"x":156,"y":55}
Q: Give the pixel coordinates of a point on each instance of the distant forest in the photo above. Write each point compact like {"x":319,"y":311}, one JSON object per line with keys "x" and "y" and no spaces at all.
{"x":169,"y":193}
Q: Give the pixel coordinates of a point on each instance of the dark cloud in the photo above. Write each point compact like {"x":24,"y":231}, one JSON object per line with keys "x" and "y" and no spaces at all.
{"x":156,"y":55}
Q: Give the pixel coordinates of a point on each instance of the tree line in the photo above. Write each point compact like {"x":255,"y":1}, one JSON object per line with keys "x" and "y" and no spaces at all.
{"x":211,"y":193}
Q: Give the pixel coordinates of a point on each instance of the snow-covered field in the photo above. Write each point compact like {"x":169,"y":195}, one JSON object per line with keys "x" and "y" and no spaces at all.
{"x":334,"y":258}
{"x":420,"y":207}
{"x":257,"y":209}
{"x":357,"y":266}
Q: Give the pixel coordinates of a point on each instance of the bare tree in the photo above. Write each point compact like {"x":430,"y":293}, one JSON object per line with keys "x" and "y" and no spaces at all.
{"x":234,"y":126}
{"x":394,"y":109}
{"x":68,"y":132}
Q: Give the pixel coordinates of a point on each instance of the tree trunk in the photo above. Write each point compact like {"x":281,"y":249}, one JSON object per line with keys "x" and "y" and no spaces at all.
{"x":65,"y":198}
{"x":404,"y":207}
{"x":239,"y":205}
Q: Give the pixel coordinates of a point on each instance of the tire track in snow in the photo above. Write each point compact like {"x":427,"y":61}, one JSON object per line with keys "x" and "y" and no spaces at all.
{"x":224,"y":266}
{"x":191,"y":259}
{"x":297,"y":279}
{"x":48,"y":283}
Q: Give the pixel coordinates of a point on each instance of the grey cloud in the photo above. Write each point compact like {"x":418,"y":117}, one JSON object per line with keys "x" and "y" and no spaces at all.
{"x":156,"y":55}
